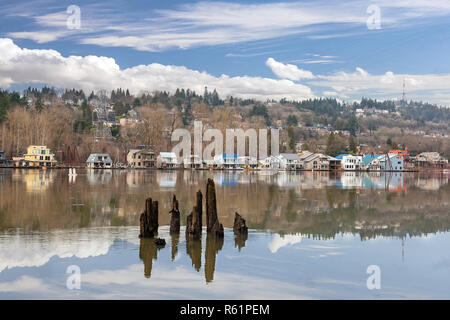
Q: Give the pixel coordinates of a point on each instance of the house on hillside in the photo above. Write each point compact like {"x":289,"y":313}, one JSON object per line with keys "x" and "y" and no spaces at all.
{"x":99,"y":161}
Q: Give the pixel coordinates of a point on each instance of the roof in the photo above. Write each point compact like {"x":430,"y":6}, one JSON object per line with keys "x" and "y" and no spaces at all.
{"x":133,"y":151}
{"x":368,"y":158}
{"x":305,"y":155}
{"x":167,"y":154}
{"x":93,"y":157}
{"x":339,"y":157}
{"x":229,"y":155}
{"x":290,"y":156}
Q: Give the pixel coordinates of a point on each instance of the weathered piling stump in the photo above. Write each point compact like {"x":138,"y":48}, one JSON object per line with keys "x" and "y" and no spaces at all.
{"x":159,"y":242}
{"x":239,"y":226}
{"x":240,"y":230}
{"x":194,"y":220}
{"x":149,"y":219}
{"x":175,"y":217}
{"x":213,"y":225}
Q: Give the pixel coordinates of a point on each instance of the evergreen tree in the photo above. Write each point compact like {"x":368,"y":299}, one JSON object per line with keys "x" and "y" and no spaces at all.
{"x":352,"y":145}
{"x":38,"y":105}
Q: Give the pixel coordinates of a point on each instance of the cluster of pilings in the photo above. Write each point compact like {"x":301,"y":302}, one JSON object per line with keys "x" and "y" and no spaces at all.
{"x":215,"y":232}
{"x":149,"y":218}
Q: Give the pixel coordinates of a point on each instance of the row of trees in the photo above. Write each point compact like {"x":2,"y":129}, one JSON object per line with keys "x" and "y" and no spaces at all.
{"x":58,"y":125}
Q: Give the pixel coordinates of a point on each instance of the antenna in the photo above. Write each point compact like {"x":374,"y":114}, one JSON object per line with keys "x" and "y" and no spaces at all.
{"x":404,"y":93}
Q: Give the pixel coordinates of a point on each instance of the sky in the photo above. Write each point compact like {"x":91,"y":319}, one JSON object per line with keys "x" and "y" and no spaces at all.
{"x":250,"y":49}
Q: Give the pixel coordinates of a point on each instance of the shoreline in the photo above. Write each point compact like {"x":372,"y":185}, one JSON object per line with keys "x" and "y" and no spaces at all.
{"x":443,"y":170}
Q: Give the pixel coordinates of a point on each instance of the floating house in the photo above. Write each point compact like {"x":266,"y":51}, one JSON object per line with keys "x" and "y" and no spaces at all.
{"x":141,"y":159}
{"x":99,"y":161}
{"x":271,"y":162}
{"x":290,"y":161}
{"x":226,"y":160}
{"x":334,"y":163}
{"x":371,"y":162}
{"x":247,"y":162}
{"x":352,"y":163}
{"x":36,"y":156}
{"x":391,"y":162}
{"x":167,"y":160}
{"x":430,"y":159}
{"x":3,"y":160}
{"x":316,"y":161}
{"x":192,"y":162}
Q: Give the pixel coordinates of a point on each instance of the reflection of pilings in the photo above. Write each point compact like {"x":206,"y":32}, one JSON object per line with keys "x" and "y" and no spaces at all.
{"x":148,"y":252}
{"x":213,"y":246}
{"x":194,"y":250}
{"x":239,"y":240}
{"x":175,"y":239}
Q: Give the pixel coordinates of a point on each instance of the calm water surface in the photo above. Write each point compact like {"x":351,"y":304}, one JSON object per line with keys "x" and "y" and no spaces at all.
{"x":312,"y":235}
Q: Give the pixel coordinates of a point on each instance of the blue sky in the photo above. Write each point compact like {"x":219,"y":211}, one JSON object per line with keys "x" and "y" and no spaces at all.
{"x":264,"y":49}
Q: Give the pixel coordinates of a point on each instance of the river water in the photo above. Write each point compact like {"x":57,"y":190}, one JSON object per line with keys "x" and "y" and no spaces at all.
{"x":311,"y":236}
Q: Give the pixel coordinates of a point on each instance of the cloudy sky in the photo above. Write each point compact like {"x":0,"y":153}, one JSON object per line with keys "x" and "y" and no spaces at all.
{"x":252,"y":49}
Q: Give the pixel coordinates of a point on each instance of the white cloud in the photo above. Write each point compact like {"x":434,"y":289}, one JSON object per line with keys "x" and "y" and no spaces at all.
{"x":39,"y":36}
{"x":217,"y":23}
{"x":19,"y":65}
{"x":426,"y":87}
{"x":282,"y":241}
{"x":288,"y":71}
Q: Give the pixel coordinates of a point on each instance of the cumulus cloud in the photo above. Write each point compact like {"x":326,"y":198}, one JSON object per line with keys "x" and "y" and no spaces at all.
{"x":282,"y":241}
{"x":288,"y":71}
{"x":19,"y":65}
{"x":427,"y":87}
